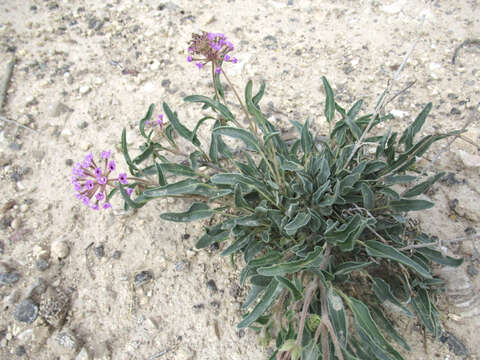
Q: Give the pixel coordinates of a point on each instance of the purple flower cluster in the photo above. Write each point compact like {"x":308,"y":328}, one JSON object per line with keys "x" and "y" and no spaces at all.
{"x":210,"y":47}
{"x":90,"y":180}
{"x":159,"y":122}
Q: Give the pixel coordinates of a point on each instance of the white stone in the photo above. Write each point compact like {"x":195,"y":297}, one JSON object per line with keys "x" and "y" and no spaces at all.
{"x":394,"y":8}
{"x":59,"y":249}
{"x":67,"y":77}
{"x":83,"y":90}
{"x":471,"y":161}
{"x":83,"y":355}
{"x":399,"y":113}
{"x":155,"y":65}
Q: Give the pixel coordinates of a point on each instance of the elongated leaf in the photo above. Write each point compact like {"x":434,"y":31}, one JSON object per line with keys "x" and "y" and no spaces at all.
{"x":219,"y":87}
{"x":252,"y":295}
{"x":128,"y":200}
{"x":329,"y":102}
{"x":439,"y":258}
{"x":306,"y":139}
{"x":388,"y":327}
{"x":239,"y":200}
{"x":422,"y":187}
{"x":196,"y":212}
{"x":161,"y":177}
{"x":349,"y":266}
{"x":258,"y":96}
{"x":400,"y":179}
{"x":338,"y":316}
{"x":364,"y":322}
{"x":375,"y":248}
{"x":180,"y":128}
{"x":271,"y":293}
{"x":385,"y":295}
{"x":292,"y":266}
{"x":147,"y":117}
{"x":247,"y":137}
{"x":187,"y":186}
{"x":212,"y":235}
{"x":237,"y":245}
{"x":213,"y":104}
{"x":350,"y":120}
{"x":368,"y":196}
{"x":410,"y":205}
{"x":414,"y":128}
{"x":128,"y":160}
{"x":300,"y":221}
{"x":177,"y":169}
{"x":296,"y":293}
{"x":423,"y":308}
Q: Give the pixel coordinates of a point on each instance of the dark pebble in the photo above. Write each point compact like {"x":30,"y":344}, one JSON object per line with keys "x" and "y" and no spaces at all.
{"x":212,"y":286}
{"x":214,"y":246}
{"x":69,"y":162}
{"x":455,"y":111}
{"x":241,"y":333}
{"x":450,"y":179}
{"x":42,"y":264}
{"x":215,"y":304}
{"x":33,"y":8}
{"x":235,"y":291}
{"x":472,"y":270}
{"x":53,"y":6}
{"x":298,"y":52}
{"x":181,"y":265}
{"x":82,"y":125}
{"x":452,"y":204}
{"x":9,"y":278}
{"x":100,"y":251}
{"x":454,"y":344}
{"x":14,"y":146}
{"x":166,"y":83}
{"x":186,"y":236}
{"x":117,"y":254}
{"x":270,"y":42}
{"x":26,"y":311}
{"x":20,"y":351}
{"x":199,"y":306}
{"x":143,"y":277}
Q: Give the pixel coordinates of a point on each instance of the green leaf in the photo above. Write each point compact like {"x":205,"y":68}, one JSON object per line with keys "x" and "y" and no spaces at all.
{"x":306,"y":139}
{"x":213,"y":104}
{"x":369,"y":329}
{"x":161,"y":178}
{"x":439,"y":258}
{"x":422,"y":187}
{"x":350,"y":120}
{"x":237,"y":245}
{"x":329,"y":102}
{"x":388,"y":327}
{"x":375,"y":248}
{"x":144,"y":155}
{"x":349,"y":266}
{"x":258,"y":96}
{"x":311,"y":351}
{"x":187,"y":186}
{"x":239,"y":200}
{"x":196,"y":212}
{"x":271,"y":293}
{"x":318,"y":194}
{"x":399,"y":179}
{"x":218,"y":86}
{"x":296,"y":293}
{"x":177,"y":169}
{"x":215,"y":234}
{"x":292,"y":266}
{"x":368,"y":196}
{"x":345,"y":235}
{"x":252,"y":295}
{"x":423,"y":308}
{"x":179,"y":128}
{"x":410,"y":205}
{"x":128,"y":160}
{"x":338,"y":316}
{"x":147,"y":117}
{"x":241,"y":134}
{"x":253,"y":109}
{"x":300,"y":221}
{"x":385,"y":295}
{"x":132,"y":203}
{"x":414,"y":128}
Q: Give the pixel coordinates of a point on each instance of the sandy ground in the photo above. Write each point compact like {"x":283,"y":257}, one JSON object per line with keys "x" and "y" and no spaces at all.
{"x":86,"y":69}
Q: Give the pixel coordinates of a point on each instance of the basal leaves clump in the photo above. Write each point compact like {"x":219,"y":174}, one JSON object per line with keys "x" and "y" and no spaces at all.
{"x":320,"y":222}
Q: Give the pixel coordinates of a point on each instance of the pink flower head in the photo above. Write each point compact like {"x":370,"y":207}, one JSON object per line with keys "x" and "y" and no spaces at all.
{"x":160,"y":119}
{"x":106,"y":154}
{"x":234,"y":60}
{"x":107,"y":205}
{"x":189,"y":58}
{"x":98,"y":171}
{"x":122,"y":178}
{"x":102,"y":180}
{"x":111,"y":165}
{"x":199,"y":65}
{"x":218,"y":70}
{"x":209,"y":47}
{"x":99,"y":196}
{"x":129,"y":191}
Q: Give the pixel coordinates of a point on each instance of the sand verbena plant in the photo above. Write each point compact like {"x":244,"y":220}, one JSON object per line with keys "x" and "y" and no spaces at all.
{"x":321,"y":226}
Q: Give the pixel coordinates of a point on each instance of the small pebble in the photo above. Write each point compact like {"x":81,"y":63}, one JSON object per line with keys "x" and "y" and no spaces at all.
{"x":67,"y":340}
{"x":186,"y":236}
{"x":454,"y":344}
{"x":143,"y":277}
{"x":69,"y":162}
{"x":181,"y":265}
{"x":84,"y":90}
{"x":117,"y":254}
{"x":26,"y":311}
{"x":9,"y":278}
{"x":212,"y":286}
{"x":20,"y":351}
{"x":100,"y":251}
{"x":42,"y":264}
{"x":59,"y":249}
{"x":472,"y":271}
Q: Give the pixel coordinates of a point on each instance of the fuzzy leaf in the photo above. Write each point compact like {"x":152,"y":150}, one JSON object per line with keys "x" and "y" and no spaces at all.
{"x":329,"y":102}
{"x":300,"y":221}
{"x":375,"y":248}
{"x":292,"y":266}
{"x":196,"y":212}
{"x":213,"y":104}
{"x":385,"y":295}
{"x":349,"y":266}
{"x":410,"y":205}
{"x":244,"y":135}
{"x":422,"y":187}
{"x":296,"y":293}
{"x":147,"y":117}
{"x":271,"y":293}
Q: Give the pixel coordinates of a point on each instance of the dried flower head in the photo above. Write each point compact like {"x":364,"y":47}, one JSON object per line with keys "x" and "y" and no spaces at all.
{"x":210,"y":47}
{"x":91,"y":181}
